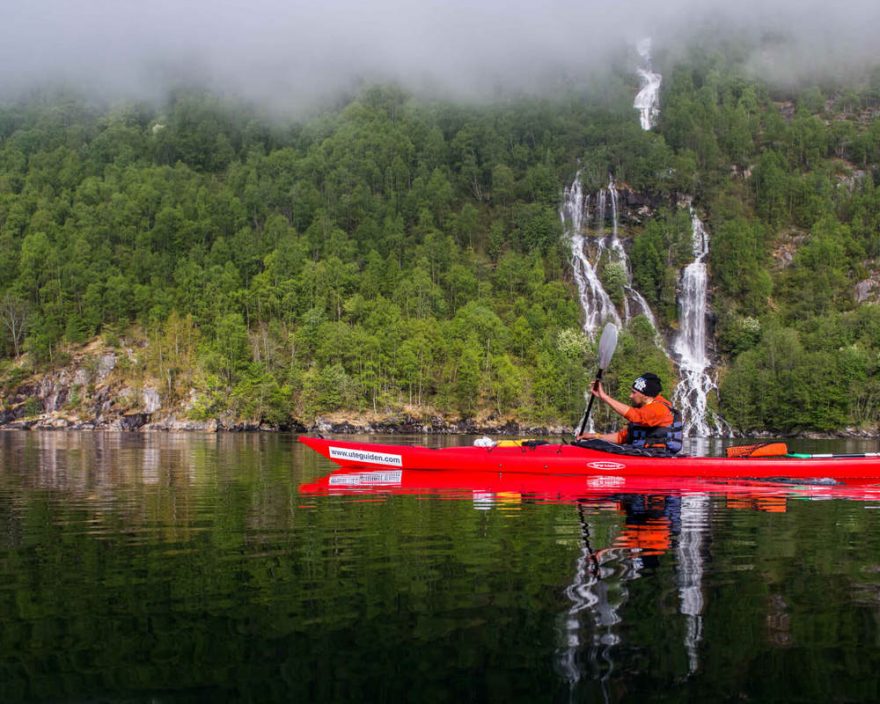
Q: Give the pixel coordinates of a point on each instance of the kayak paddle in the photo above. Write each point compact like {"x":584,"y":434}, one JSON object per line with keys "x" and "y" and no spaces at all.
{"x":607,"y":345}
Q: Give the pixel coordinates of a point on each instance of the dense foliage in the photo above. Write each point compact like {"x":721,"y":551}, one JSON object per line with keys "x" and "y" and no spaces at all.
{"x":395,"y":253}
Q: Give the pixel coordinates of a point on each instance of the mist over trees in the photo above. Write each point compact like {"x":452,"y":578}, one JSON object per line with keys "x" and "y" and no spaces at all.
{"x":399,"y":253}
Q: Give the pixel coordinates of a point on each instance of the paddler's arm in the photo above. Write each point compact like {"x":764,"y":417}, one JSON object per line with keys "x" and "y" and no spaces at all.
{"x":607,"y":437}
{"x":618,"y":407}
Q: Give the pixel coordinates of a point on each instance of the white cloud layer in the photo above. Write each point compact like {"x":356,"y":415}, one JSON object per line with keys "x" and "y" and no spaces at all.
{"x":291,"y":51}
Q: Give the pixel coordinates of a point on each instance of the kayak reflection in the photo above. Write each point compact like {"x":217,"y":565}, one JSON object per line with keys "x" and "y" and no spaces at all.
{"x":487,"y":488}
{"x":656,"y":517}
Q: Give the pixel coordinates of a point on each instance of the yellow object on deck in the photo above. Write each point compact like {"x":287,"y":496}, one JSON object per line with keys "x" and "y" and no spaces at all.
{"x":513,"y":443}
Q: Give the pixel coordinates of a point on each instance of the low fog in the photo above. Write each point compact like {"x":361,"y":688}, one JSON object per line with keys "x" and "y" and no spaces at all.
{"x":295,"y":54}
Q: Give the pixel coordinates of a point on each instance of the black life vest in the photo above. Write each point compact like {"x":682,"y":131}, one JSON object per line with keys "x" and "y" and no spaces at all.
{"x":669,"y":437}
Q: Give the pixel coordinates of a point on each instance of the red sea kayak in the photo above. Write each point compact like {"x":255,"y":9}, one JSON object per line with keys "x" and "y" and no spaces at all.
{"x":559,"y":459}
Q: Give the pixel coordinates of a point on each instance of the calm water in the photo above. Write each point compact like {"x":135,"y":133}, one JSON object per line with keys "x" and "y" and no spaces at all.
{"x":177,"y":568}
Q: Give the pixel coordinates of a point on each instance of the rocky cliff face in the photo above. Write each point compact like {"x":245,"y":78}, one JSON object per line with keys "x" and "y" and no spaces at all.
{"x":98,"y":389}
{"x":94,"y":391}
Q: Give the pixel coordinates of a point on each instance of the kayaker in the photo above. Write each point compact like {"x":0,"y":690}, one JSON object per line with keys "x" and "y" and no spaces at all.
{"x":653,"y":422}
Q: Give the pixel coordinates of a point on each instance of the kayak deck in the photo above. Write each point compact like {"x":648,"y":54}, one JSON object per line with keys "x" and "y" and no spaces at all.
{"x":561,"y":459}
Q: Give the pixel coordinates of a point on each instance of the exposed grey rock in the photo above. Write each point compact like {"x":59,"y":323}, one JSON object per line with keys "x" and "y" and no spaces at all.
{"x":87,"y":425}
{"x":173,"y":425}
{"x":346,"y":428}
{"x":106,"y":364}
{"x":322,"y":426}
{"x":867,"y":291}
{"x":244,"y":427}
{"x":151,"y":400}
{"x":51,"y":423}
{"x":48,"y":394}
{"x":56,"y":400}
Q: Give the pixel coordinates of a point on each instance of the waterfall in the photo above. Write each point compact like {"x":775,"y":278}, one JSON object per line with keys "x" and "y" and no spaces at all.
{"x":689,"y":348}
{"x":594,"y":299}
{"x":691,"y":394}
{"x":632,"y":298}
{"x":595,"y":302}
{"x":647,"y":100}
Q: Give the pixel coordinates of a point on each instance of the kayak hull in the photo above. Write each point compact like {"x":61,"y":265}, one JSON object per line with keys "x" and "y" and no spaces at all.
{"x":560,"y":459}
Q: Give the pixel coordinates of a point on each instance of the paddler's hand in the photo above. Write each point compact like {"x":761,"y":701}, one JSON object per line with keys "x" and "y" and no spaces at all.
{"x":597,"y":390}
{"x":587,"y":436}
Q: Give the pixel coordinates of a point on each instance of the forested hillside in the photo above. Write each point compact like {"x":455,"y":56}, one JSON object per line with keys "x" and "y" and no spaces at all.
{"x":397,"y":254}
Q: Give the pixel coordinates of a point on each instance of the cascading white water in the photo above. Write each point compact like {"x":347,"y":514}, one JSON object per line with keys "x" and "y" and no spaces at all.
{"x":618,"y":252}
{"x":692,"y":393}
{"x":595,"y":302}
{"x":690,"y":345}
{"x":631,"y":295}
{"x":647,"y":100}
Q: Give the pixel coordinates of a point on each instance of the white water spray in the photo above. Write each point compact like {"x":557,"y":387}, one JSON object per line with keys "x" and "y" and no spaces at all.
{"x":595,"y":302}
{"x":633,"y":302}
{"x":692,"y":393}
{"x":647,"y":100}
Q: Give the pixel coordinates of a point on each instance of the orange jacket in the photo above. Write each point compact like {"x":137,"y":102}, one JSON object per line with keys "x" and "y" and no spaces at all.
{"x":655,"y":414}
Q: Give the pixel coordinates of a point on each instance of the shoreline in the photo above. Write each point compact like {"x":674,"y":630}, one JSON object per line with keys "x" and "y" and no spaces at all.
{"x":340,"y":425}
{"x":435,"y":426}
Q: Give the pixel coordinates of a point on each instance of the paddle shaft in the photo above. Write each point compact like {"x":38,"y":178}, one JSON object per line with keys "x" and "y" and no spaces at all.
{"x":607,"y":345}
{"x":583,"y":423}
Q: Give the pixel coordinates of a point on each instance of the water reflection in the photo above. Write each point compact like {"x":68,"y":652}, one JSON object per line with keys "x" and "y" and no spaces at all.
{"x":690,"y":554}
{"x":154,"y":484}
{"x":597,"y":592}
{"x":96,"y":462}
{"x":649,"y":518}
{"x":599,"y":589}
{"x":182,"y":568}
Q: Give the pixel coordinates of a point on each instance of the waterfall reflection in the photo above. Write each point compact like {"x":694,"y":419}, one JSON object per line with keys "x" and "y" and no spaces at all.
{"x":690,"y":555}
{"x":590,"y":628}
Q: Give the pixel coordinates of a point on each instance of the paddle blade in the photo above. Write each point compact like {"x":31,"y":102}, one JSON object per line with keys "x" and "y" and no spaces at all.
{"x":607,"y":345}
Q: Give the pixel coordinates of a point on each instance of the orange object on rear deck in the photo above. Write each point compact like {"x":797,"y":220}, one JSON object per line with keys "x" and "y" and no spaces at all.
{"x":762,"y":449}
